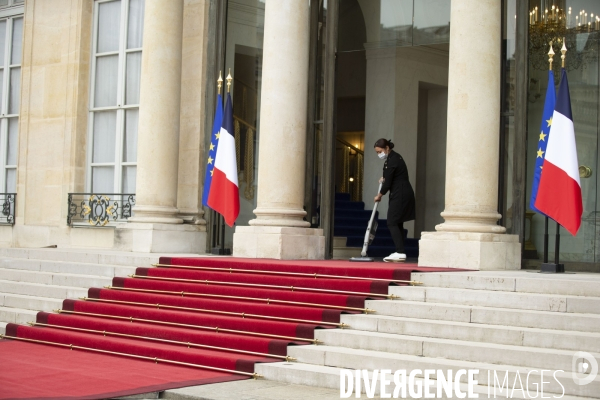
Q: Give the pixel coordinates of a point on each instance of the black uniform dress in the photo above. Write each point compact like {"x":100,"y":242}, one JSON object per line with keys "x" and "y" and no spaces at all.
{"x":402,"y":197}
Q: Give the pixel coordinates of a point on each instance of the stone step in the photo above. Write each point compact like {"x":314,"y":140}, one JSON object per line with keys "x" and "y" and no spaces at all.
{"x":367,"y":359}
{"x":36,"y":289}
{"x":475,"y":332}
{"x":487,"y":315}
{"x":54,"y":278}
{"x":30,"y":302}
{"x":255,"y":389}
{"x":66,"y":267}
{"x":580,"y":284}
{"x":339,"y":241}
{"x":16,"y":315}
{"x":89,"y":256}
{"x":488,"y":298}
{"x":522,"y":356}
{"x":420,"y":309}
{"x":329,"y":377}
{"x":344,"y":253}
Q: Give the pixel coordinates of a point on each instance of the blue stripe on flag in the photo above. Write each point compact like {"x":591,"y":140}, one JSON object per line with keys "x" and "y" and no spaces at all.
{"x":563,"y":103}
{"x":212,"y":150}
{"x":543,"y":138}
{"x":228,"y":116}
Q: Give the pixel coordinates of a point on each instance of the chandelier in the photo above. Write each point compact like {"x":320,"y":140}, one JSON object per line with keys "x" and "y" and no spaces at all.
{"x":549,"y":25}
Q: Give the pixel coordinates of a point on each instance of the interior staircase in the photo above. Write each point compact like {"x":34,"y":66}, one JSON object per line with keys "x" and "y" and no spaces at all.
{"x":500,"y":321}
{"x":350,"y":222}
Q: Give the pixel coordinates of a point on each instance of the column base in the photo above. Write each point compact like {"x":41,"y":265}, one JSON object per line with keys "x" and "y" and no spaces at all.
{"x":469,"y":250}
{"x":282,"y":243}
{"x":279,"y":217}
{"x":156,"y":215}
{"x":161,"y":238}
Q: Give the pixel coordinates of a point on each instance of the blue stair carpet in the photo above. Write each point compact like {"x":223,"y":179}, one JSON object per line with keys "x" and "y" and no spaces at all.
{"x":351,"y":220}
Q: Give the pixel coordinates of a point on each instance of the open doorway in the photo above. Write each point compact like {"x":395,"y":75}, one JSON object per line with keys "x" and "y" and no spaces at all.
{"x":391,"y":82}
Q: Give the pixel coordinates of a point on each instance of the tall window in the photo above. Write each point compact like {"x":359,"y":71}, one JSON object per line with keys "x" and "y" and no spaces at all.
{"x":11,"y":35}
{"x":9,"y":3}
{"x":115,"y":95}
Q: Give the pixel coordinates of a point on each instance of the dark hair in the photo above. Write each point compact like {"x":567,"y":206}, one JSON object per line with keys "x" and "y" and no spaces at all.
{"x":383,"y":143}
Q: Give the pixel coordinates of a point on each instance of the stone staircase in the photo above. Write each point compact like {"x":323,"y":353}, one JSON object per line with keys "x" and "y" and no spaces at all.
{"x":33,"y":280}
{"x":515,"y":321}
{"x":506,"y":321}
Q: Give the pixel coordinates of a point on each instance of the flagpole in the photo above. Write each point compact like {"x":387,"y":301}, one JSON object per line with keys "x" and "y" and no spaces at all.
{"x":218,"y":222}
{"x":557,"y":248}
{"x":546,"y":236}
{"x":555,"y":267}
{"x":546,"y":240}
{"x":220,"y":218}
{"x":559,"y":267}
{"x":223,"y":250}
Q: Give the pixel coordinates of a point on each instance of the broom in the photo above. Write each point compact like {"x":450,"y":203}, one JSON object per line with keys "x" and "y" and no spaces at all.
{"x":369,"y":235}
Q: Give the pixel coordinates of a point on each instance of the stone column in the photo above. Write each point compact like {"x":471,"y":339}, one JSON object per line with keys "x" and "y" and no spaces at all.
{"x":470,"y":237}
{"x":279,"y":230}
{"x":155,"y":226}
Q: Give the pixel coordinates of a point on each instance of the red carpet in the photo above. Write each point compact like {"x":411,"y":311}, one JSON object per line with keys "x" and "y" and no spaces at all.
{"x":84,"y":375}
{"x":197,"y":311}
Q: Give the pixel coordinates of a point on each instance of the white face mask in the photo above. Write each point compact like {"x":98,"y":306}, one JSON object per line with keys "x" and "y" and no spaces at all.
{"x":382,"y":155}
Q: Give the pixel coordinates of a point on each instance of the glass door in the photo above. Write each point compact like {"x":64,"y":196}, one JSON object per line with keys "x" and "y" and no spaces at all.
{"x":239,"y":31}
{"x":582,"y":37}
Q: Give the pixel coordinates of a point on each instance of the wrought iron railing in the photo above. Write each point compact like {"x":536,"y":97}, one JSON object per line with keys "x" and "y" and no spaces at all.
{"x":9,"y":201}
{"x":99,"y":209}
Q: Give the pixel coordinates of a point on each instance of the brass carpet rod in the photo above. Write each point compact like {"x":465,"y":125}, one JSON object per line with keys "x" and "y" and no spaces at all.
{"x":315,"y":275}
{"x":292,"y":288}
{"x":219,"y":296}
{"x":155,"y":359}
{"x":201,"y":327}
{"x":203,"y":310}
{"x":188,"y":344}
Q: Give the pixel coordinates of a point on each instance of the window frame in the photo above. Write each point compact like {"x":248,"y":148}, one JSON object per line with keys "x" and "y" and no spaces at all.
{"x":5,"y":116}
{"x":12,"y":8}
{"x":121,"y":108}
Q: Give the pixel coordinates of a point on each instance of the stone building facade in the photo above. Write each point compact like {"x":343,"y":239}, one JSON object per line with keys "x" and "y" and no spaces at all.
{"x":107,"y":147}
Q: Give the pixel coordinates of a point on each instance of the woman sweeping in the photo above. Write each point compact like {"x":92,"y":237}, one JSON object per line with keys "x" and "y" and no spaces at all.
{"x":402,"y":198}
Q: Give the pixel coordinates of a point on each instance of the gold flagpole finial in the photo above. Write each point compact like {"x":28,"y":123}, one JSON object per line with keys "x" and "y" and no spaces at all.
{"x":564,"y":52}
{"x":551,"y":56}
{"x":229,"y":79}
{"x":219,"y":82}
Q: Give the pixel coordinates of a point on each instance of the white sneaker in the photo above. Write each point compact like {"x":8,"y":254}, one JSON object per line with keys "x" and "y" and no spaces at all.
{"x":395,"y":257}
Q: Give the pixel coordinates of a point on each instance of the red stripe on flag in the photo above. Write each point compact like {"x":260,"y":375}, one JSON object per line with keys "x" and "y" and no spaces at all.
{"x":559,"y":197}
{"x":224,"y":197}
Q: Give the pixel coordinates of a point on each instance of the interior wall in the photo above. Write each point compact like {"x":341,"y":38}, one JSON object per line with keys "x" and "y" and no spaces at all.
{"x":437,"y":115}
{"x":394,"y":75}
{"x":431,"y":157}
{"x":421,"y":162}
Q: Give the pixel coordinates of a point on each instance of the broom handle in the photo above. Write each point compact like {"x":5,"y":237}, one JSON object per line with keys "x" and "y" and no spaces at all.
{"x":366,"y":242}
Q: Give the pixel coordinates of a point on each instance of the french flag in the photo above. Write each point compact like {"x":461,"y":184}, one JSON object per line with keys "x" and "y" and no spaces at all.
{"x":212,"y":150}
{"x":223,"y":193}
{"x":559,"y":192}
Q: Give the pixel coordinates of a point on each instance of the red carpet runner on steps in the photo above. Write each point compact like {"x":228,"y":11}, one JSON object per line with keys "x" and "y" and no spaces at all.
{"x":188,"y":321}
